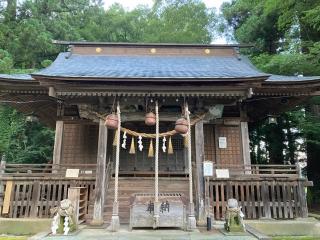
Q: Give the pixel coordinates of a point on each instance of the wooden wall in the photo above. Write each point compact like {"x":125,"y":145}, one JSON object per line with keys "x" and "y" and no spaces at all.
{"x":80,"y":143}
{"x":230,"y":155}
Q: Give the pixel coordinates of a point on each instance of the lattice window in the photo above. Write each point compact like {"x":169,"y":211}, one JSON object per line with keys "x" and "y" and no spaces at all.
{"x":231,"y":154}
{"x":209,"y":143}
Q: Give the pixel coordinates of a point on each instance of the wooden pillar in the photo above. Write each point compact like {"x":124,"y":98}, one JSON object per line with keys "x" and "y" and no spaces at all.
{"x":245,"y":146}
{"x":115,"y":221}
{"x":199,"y":179}
{"x":2,"y":171}
{"x":303,"y":199}
{"x":100,"y":175}
{"x":191,"y":221}
{"x":266,"y":199}
{"x":58,"y":142}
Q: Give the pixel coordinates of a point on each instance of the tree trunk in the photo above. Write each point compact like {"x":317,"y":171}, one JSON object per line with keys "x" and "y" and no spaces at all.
{"x":291,"y":148}
{"x":275,"y":142}
{"x":11,"y":11}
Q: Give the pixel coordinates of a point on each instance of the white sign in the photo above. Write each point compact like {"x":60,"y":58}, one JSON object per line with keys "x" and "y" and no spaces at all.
{"x":72,"y":173}
{"x":207,"y":169}
{"x":222,"y":142}
{"x":222,"y":173}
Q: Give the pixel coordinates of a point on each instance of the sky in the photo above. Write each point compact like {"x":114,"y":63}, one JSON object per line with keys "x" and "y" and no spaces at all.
{"x":131,"y":4}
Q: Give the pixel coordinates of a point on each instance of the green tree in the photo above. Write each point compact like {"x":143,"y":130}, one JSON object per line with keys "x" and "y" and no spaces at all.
{"x":21,"y":141}
{"x":6,"y":62}
{"x":187,"y":21}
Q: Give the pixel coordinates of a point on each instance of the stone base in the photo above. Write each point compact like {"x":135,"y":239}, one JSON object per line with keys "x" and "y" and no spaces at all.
{"x":191,"y":223}
{"x":115,"y":223}
{"x":202,"y":218}
{"x":156,"y":221}
{"x":96,"y":222}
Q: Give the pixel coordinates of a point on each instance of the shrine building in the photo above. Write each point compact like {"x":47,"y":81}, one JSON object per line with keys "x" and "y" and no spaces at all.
{"x":114,"y":108}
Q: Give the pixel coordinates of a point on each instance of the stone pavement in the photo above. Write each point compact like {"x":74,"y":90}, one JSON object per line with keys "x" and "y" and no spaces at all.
{"x":149,"y":234}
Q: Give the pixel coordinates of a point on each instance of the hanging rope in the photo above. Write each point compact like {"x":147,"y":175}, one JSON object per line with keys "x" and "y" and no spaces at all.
{"x":156,"y":167}
{"x":156,"y":154}
{"x":152,"y":135}
{"x":117,"y":156}
{"x":189,"y":153}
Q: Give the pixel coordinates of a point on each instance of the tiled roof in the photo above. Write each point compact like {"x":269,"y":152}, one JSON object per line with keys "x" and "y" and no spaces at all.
{"x":170,"y":67}
{"x":280,"y":78}
{"x":16,"y":76}
{"x":148,"y":67}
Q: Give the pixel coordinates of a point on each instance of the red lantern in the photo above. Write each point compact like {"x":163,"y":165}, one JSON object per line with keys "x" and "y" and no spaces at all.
{"x":181,"y":126}
{"x":112,"y":121}
{"x":150,"y":119}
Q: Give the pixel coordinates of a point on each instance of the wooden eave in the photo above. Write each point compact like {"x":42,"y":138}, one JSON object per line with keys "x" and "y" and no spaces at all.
{"x":294,"y":88}
{"x":87,"y":88}
{"x":22,"y":87}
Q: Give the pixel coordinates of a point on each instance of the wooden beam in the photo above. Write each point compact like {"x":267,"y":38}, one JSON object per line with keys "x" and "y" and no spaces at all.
{"x":58,"y":142}
{"x":35,"y":196}
{"x":7,"y":197}
{"x":245,"y":144}
{"x":100,"y":175}
{"x":199,"y":179}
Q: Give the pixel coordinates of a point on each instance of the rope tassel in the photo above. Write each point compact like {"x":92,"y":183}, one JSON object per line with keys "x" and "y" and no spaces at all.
{"x":151,"y":151}
{"x":170,"y":147}
{"x":132,"y":147}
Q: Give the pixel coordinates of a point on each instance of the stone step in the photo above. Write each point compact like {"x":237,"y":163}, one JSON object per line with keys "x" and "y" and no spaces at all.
{"x":130,"y":186}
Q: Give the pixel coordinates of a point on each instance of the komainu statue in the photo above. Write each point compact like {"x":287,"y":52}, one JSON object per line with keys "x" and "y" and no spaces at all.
{"x":234,"y":217}
{"x":63,"y":218}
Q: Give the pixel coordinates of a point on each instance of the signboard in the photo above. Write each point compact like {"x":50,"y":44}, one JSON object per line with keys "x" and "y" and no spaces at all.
{"x":222,"y":142}
{"x":222,"y":173}
{"x":72,"y":173}
{"x":207,"y":169}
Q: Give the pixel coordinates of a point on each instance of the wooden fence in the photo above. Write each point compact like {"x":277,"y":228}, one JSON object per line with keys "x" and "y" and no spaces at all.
{"x":261,"y":170}
{"x":35,"y":197}
{"x":259,"y":198}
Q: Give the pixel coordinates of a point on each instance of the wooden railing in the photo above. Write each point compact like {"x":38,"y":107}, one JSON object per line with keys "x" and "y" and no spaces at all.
{"x":46,"y":170}
{"x":30,"y":190}
{"x":35,"y":197}
{"x":89,"y":170}
{"x":276,"y":198}
{"x":261,"y":170}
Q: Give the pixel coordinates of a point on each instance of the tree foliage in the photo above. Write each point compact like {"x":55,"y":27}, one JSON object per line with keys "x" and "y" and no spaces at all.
{"x":287,"y":41}
{"x":22,"y":141}
{"x":27,"y":28}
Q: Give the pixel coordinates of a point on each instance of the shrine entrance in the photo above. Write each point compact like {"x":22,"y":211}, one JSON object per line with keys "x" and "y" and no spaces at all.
{"x":139,"y":161}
